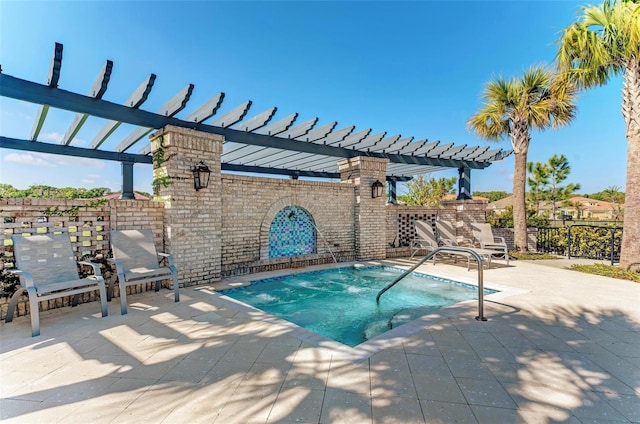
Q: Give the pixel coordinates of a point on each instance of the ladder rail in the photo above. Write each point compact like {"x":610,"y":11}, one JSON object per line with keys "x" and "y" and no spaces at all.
{"x":455,"y":250}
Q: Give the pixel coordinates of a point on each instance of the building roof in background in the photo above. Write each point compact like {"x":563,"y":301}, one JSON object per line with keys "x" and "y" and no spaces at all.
{"x":586,"y":203}
{"x":501,"y":204}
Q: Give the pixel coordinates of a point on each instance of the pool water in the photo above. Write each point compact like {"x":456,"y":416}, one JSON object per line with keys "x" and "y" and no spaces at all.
{"x":341,"y":303}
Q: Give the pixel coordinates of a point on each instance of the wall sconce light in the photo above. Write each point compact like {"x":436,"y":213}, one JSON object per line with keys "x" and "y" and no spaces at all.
{"x":201,"y":174}
{"x":377,"y":188}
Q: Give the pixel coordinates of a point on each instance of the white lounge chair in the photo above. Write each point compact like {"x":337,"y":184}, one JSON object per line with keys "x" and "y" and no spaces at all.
{"x":425,"y":238}
{"x":48,"y":269}
{"x":447,"y":237}
{"x":484,"y":236}
{"x":136,"y":262}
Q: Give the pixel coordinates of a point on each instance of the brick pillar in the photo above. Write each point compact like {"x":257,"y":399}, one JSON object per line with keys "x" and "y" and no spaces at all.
{"x":193,"y":219}
{"x":467,"y":213}
{"x":370,"y":215}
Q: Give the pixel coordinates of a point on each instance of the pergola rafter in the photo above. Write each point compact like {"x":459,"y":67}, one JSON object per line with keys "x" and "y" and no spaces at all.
{"x":256,"y":144}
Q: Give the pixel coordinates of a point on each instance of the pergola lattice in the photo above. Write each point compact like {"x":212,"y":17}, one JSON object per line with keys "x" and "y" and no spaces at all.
{"x":255,"y":145}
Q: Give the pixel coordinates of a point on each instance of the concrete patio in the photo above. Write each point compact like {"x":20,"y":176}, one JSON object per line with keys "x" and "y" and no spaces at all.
{"x":564,"y":348}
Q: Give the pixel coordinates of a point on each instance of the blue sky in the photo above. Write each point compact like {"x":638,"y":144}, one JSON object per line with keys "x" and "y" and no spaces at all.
{"x":411,"y":68}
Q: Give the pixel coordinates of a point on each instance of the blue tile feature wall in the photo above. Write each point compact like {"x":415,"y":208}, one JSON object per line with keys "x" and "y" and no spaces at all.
{"x":292,"y":233}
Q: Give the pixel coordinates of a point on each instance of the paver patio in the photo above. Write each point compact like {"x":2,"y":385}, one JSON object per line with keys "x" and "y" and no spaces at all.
{"x":566,"y":349}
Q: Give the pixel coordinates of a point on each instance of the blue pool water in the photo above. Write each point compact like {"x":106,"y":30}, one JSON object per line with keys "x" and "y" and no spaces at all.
{"x":341,"y":303}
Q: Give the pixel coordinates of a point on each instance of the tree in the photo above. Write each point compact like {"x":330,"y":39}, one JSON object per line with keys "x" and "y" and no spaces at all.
{"x":7,"y":190}
{"x":559,"y":169}
{"x":604,"y":42}
{"x":428,"y":191}
{"x":612,"y":195}
{"x":538,"y":100}
{"x":492,"y":195}
{"x":537,"y":180}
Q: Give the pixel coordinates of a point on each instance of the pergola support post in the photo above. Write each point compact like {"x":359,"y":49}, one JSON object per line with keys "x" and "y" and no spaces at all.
{"x":393,"y":199}
{"x":127,"y":181}
{"x":464,"y":184}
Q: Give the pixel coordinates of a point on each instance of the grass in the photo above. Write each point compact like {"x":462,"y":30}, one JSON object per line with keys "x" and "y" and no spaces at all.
{"x":531,"y":256}
{"x":608,"y":271}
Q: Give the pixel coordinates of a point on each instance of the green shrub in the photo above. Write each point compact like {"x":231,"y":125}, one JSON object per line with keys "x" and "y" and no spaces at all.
{"x":608,"y":271}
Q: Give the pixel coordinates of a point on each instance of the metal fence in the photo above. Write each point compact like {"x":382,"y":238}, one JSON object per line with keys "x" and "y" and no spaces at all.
{"x":581,"y":241}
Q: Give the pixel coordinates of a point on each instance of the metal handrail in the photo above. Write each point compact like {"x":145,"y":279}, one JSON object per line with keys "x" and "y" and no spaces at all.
{"x":452,"y":249}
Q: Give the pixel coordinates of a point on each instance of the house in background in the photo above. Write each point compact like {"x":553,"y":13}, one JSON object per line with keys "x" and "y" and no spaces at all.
{"x":499,"y":206}
{"x":577,"y":207}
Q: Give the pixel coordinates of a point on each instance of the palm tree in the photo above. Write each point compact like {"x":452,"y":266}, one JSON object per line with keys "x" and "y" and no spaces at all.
{"x":539,"y":100}
{"x":606,"y":42}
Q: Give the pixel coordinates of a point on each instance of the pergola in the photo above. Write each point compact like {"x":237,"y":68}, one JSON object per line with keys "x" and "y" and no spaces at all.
{"x":259,"y":144}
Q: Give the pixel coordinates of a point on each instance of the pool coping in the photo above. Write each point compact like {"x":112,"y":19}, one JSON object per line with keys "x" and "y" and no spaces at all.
{"x":391,"y":338}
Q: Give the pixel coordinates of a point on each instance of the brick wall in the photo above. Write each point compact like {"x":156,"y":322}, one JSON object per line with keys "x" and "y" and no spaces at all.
{"x":507,"y":233}
{"x":249,"y":205}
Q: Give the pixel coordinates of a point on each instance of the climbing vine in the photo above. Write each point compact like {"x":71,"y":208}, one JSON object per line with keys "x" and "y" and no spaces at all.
{"x":73,"y":210}
{"x":160,"y":177}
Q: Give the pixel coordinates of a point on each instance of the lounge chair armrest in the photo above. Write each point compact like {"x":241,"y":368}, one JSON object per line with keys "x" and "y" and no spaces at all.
{"x":168,"y":257}
{"x":117,"y":264}
{"x":447,"y":242}
{"x":26,"y":280}
{"x":96,"y":267}
{"x":499,"y":239}
{"x":467,"y":243}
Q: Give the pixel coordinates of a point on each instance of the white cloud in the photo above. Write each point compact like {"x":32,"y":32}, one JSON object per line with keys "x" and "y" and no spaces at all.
{"x":57,"y":138}
{"x":87,"y":181}
{"x":72,"y":161}
{"x":52,"y":136}
{"x":78,"y":142}
{"x":28,"y":159}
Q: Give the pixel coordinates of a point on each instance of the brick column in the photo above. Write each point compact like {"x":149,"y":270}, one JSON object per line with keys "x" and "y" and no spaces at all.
{"x":370,"y":215}
{"x":193,"y":219}
{"x":467,"y":212}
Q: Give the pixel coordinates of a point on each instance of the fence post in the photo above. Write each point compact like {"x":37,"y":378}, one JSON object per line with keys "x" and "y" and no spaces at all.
{"x":569,"y":242}
{"x":612,"y":243}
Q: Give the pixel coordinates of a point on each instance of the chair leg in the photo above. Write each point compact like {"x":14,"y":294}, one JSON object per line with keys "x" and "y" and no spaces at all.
{"x":13,"y":303}
{"x":103,"y":300}
{"x":123,"y":294}
{"x":176,"y":288}
{"x":34,"y":311}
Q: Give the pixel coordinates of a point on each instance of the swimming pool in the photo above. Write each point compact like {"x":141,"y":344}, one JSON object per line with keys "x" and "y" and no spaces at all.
{"x":340,"y":304}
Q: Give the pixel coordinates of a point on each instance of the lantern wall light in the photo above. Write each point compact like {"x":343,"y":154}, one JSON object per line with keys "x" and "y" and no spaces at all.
{"x":201,"y":174}
{"x":377,"y":189}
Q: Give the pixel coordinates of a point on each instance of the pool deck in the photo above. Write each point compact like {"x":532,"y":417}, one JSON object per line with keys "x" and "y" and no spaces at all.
{"x":562,"y":346}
